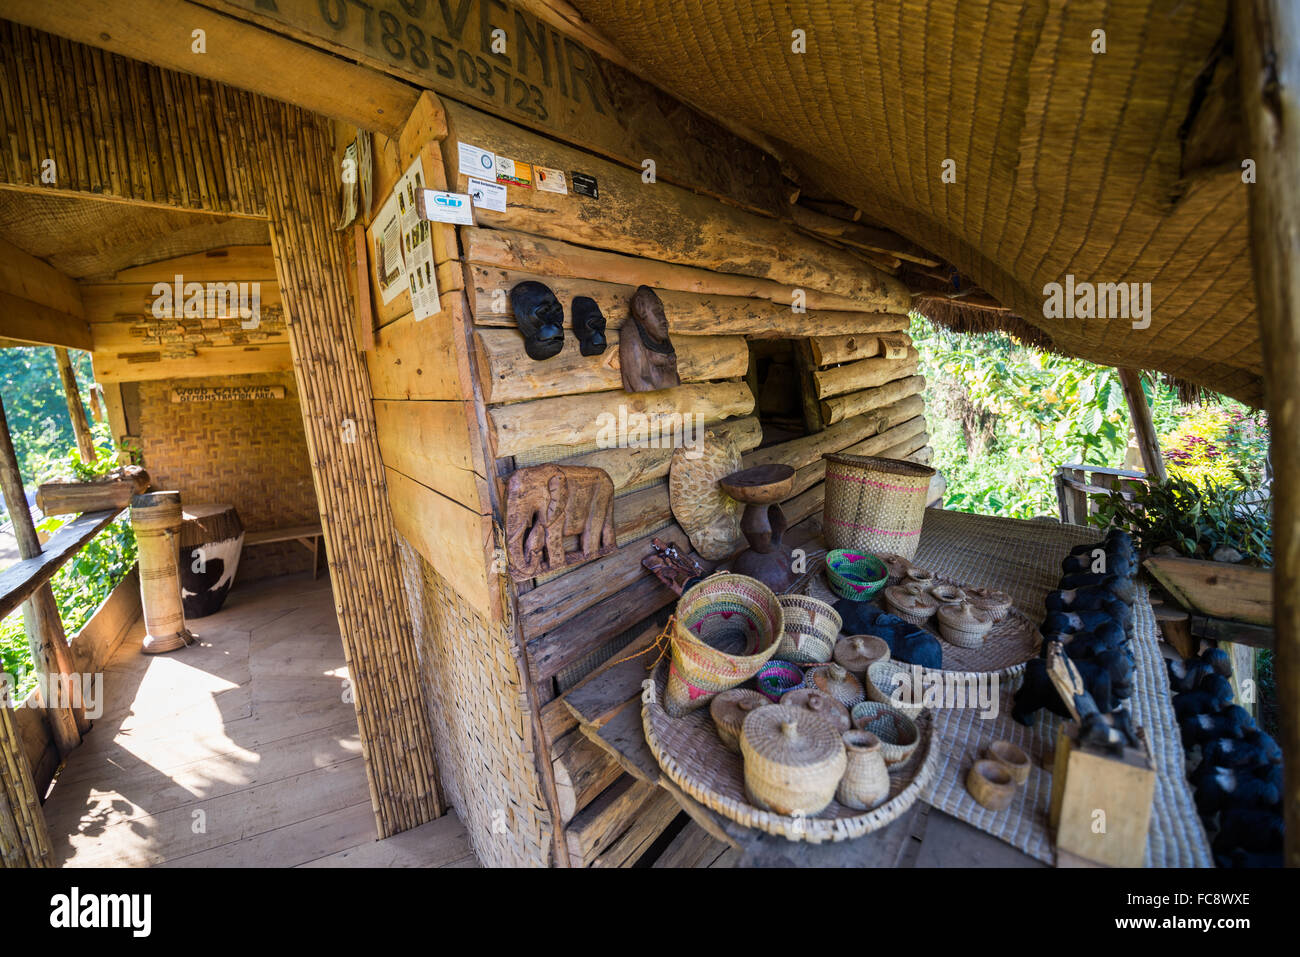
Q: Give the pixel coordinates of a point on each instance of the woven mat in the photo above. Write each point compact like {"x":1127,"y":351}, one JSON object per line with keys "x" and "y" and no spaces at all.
{"x":1023,"y":559}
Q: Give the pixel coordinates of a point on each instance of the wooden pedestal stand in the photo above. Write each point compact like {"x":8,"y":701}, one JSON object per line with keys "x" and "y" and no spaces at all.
{"x":156,"y":518}
{"x":1101,"y":802}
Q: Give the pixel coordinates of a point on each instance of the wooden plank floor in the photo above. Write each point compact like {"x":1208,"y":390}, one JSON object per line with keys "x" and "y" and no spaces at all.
{"x":237,"y":751}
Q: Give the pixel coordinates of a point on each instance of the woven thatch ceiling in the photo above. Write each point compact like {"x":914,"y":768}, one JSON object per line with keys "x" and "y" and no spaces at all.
{"x":1066,"y":160}
{"x":90,"y":239}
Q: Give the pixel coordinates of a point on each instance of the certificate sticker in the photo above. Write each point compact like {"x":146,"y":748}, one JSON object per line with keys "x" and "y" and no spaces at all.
{"x":476,"y":162}
{"x":510,"y":173}
{"x":550,"y":180}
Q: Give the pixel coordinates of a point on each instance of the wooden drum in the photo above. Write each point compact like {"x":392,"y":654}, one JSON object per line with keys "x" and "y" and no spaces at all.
{"x":156,"y":518}
{"x":211,"y":538}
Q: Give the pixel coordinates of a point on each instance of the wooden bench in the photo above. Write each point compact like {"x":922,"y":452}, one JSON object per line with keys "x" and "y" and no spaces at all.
{"x":307,"y":535}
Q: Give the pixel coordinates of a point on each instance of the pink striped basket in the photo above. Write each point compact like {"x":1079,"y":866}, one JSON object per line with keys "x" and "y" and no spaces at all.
{"x":874,"y":504}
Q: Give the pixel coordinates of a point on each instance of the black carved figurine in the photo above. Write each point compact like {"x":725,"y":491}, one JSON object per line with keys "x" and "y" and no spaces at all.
{"x":588,"y":326}
{"x":540,"y":318}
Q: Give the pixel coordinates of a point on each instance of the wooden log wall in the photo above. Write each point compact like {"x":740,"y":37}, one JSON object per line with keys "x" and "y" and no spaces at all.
{"x":726,"y":278}
{"x":127,"y":131}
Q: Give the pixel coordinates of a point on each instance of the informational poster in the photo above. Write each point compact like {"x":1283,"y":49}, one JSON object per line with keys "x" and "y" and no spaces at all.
{"x":417,"y":244}
{"x":391,"y":265}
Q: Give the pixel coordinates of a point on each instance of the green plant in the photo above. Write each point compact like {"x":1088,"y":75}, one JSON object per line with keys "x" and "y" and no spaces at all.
{"x":1194,"y":519}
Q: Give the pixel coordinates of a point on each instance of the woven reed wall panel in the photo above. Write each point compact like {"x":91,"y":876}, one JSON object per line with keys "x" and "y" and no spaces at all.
{"x":481,"y":723}
{"x":1066,"y":160}
{"x":250,"y":454}
{"x":123,"y":128}
{"x":302,"y":185}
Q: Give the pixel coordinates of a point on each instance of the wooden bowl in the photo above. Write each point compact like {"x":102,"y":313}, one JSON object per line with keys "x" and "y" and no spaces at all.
{"x":1012,"y":758}
{"x":990,"y":784}
{"x":760,"y":485}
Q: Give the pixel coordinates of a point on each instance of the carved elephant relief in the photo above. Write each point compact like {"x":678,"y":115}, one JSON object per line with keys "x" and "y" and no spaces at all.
{"x":545,"y":503}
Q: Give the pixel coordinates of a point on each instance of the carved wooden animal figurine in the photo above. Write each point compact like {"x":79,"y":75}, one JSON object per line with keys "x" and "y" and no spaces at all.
{"x":544,"y":503}
{"x":645,"y":353}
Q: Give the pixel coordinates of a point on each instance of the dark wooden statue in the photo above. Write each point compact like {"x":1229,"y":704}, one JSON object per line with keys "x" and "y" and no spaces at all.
{"x":645,"y":353}
{"x":544,"y":503}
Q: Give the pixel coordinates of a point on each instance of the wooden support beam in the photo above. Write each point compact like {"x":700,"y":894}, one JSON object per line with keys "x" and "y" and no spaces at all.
{"x":240,"y":54}
{"x":76,"y":411}
{"x":50,"y":652}
{"x":32,"y":324}
{"x":1267,"y":49}
{"x":1139,"y":411}
{"x":866,"y":374}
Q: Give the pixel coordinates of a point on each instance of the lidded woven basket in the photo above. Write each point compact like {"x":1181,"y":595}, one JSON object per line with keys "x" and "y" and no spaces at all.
{"x":836,"y":681}
{"x":874,"y":504}
{"x":726,"y":628}
{"x":729,"y":711}
{"x":820,"y":704}
{"x":964,"y":625}
{"x":857,"y":653}
{"x":811,"y":627}
{"x":793,"y":758}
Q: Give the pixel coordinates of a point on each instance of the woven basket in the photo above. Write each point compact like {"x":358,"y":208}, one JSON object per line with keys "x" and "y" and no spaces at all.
{"x":964,"y":625}
{"x":794,"y":760}
{"x":855,"y":576}
{"x":911,"y":602}
{"x":726,"y":628}
{"x":996,"y":603}
{"x":857,"y":653}
{"x":729,"y":711}
{"x":881,"y":685}
{"x":836,"y":681}
{"x":897,"y":732}
{"x":820,"y":704}
{"x":776,"y":678}
{"x":811,"y":627}
{"x":874,"y":504}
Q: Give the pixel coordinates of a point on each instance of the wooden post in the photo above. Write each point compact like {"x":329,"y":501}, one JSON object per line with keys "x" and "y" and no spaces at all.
{"x":85,"y":444}
{"x":51,"y":656}
{"x":1267,"y":44}
{"x":1140,"y":412}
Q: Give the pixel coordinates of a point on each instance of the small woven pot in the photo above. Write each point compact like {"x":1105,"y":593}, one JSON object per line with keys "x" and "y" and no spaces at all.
{"x":964,"y":625}
{"x":947,"y":594}
{"x":898,"y":733}
{"x":911,"y":603}
{"x":857,"y":653}
{"x":821,"y":704}
{"x":874,"y":504}
{"x":1012,"y":758}
{"x":996,"y":603}
{"x":729,"y":711}
{"x":883,"y":687}
{"x":866,"y":776}
{"x":778,"y":677}
{"x":793,"y":760}
{"x":915,"y":573}
{"x":836,"y":681}
{"x":811,"y":627}
{"x":990,"y":784}
{"x":897,"y":565}
{"x":854,"y":575}
{"x":727,"y":627}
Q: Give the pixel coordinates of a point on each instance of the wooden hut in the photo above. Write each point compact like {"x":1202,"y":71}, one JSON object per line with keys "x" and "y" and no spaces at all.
{"x":790,"y":190}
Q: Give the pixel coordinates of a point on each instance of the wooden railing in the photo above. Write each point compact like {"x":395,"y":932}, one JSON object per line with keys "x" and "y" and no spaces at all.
{"x":1074,"y":483}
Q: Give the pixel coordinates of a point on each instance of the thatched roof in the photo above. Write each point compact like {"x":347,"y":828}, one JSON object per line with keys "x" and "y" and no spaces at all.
{"x":1115,"y":167}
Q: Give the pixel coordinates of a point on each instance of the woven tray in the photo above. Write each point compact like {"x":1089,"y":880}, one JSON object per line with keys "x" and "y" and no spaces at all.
{"x":1007,"y":647}
{"x":691,"y":754}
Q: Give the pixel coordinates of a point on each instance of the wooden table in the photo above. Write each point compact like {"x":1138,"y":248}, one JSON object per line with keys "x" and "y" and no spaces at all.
{"x":607,"y":706}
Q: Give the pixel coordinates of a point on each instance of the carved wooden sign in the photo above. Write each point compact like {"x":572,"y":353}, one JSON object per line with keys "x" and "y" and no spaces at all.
{"x":504,"y":58}
{"x":223,"y":393}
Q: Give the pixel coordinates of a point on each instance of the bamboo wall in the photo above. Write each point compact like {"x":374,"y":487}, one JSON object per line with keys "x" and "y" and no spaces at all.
{"x":130,"y":131}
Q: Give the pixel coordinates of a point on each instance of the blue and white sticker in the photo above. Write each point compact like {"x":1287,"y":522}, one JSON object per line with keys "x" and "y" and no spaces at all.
{"x":476,"y":162}
{"x":440,"y":207}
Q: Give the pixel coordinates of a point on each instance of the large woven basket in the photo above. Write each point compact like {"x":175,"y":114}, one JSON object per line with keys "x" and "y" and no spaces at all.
{"x":811,"y":627}
{"x":726,"y":628}
{"x":874,"y":504}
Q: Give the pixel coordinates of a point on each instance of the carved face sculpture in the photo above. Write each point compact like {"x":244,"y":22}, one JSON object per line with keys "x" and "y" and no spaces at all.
{"x":648,"y":312}
{"x":540,"y":318}
{"x":588,"y":326}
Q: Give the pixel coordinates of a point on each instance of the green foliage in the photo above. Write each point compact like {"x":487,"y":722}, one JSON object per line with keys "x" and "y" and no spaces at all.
{"x":46,"y":447}
{"x":1194,"y":518}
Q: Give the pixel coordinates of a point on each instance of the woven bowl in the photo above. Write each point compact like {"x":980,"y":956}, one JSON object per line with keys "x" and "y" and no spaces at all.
{"x":910,"y":602}
{"x":855,"y":575}
{"x":881,"y":686}
{"x":990,"y":784}
{"x":964,"y":625}
{"x":811,"y":627}
{"x":898,"y":733}
{"x":777,"y":677}
{"x":727,"y":627}
{"x":1014,"y":759}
